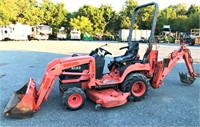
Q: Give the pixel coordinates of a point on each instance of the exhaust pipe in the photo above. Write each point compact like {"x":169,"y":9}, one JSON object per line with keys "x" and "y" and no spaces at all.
{"x":22,"y":102}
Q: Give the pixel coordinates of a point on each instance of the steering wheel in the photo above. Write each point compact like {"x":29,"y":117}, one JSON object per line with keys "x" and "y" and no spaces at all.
{"x":104,"y":52}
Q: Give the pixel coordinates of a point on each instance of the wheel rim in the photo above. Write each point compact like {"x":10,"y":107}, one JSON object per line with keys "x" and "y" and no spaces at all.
{"x":75,"y":100}
{"x":138,"y":88}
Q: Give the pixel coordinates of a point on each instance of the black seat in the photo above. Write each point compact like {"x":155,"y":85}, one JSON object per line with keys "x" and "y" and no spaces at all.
{"x":130,"y":54}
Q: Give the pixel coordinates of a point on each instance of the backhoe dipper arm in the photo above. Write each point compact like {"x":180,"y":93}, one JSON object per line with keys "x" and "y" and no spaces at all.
{"x":163,"y":67}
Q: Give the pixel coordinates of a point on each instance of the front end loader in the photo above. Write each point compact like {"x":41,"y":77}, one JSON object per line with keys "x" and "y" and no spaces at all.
{"x":82,"y":76}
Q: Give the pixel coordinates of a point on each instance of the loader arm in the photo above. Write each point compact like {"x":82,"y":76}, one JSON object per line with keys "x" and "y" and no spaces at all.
{"x":164,"y":67}
{"x":55,"y":68}
{"x":27,"y":100}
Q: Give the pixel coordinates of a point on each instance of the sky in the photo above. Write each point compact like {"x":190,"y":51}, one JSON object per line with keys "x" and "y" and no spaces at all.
{"x":74,"y":5}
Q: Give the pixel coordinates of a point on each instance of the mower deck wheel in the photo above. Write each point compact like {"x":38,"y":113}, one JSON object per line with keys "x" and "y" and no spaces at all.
{"x":98,"y":107}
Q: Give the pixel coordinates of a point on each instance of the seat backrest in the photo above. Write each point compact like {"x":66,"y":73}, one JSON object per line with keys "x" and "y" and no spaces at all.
{"x":133,"y":49}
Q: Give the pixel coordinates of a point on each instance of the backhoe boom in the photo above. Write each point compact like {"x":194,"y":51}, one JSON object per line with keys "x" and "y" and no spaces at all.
{"x":164,"y":67}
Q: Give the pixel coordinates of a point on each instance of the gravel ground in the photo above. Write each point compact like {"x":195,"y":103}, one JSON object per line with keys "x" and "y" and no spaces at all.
{"x":173,"y":104}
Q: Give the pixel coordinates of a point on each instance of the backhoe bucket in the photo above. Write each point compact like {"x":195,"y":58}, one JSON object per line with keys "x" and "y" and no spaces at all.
{"x":22,"y":102}
{"x":185,"y":78}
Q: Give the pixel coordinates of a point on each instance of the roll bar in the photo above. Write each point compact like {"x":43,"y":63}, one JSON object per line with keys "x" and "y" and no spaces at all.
{"x":151,"y":38}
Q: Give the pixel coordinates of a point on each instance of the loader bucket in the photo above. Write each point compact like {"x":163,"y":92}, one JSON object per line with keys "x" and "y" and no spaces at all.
{"x":22,"y":102}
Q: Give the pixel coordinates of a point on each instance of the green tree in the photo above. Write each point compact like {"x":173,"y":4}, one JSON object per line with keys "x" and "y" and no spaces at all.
{"x":113,"y":25}
{"x":107,"y":12}
{"x":82,"y":23}
{"x":145,"y":17}
{"x":93,"y":14}
{"x":180,"y":9}
{"x":8,"y":11}
{"x":50,"y":12}
{"x":60,"y":16}
{"x":28,"y":12}
{"x":179,"y":24}
{"x":167,"y":17}
{"x":126,"y":14}
{"x":193,"y":21}
{"x":193,"y":9}
{"x":99,"y":17}
{"x":102,"y":20}
{"x":53,"y":14}
{"x":128,"y":8}
{"x":160,"y":21}
{"x":169,"y":13}
{"x":125,"y":22}
{"x":4,"y":15}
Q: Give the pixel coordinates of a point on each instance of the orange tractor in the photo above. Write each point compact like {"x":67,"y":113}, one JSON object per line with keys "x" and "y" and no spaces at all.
{"x":82,"y":76}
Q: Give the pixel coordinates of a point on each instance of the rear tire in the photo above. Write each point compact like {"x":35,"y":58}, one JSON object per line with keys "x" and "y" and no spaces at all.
{"x":137,"y":84}
{"x":74,"y":98}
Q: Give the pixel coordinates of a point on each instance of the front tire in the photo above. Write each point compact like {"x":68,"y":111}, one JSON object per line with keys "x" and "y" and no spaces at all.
{"x":137,"y":84}
{"x":74,"y":98}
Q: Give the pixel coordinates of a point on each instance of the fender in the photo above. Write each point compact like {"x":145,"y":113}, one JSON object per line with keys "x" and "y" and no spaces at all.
{"x":133,"y":68}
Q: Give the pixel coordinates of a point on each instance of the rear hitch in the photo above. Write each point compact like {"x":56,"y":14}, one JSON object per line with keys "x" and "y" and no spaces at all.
{"x":185,"y":78}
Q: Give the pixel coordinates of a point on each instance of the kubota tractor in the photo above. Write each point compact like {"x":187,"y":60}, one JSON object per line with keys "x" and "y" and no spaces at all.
{"x":82,"y":76}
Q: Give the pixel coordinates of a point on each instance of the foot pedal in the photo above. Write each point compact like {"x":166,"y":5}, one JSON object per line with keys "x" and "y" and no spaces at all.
{"x":185,"y":78}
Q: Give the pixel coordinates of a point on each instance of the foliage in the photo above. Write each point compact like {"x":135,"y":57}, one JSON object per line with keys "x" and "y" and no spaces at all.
{"x":194,"y":20}
{"x":126,"y":14}
{"x":32,"y":13}
{"x":145,"y":17}
{"x":101,"y":20}
{"x":81,"y":23}
{"x":180,"y":9}
{"x":193,"y":9}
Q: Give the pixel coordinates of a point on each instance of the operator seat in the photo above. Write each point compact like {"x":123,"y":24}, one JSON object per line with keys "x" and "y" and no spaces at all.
{"x":129,"y":55}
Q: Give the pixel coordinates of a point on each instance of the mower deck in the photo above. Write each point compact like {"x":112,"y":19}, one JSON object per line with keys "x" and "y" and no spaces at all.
{"x":108,"y":97}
